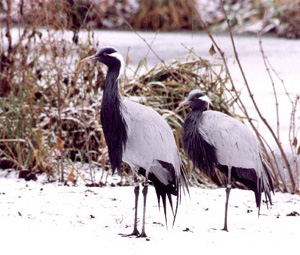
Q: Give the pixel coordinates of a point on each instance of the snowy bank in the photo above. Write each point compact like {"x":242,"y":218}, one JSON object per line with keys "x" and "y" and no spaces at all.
{"x":48,"y":218}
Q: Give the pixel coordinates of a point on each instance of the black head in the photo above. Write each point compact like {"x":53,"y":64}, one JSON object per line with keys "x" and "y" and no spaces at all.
{"x":108,"y":56}
{"x":197,"y":100}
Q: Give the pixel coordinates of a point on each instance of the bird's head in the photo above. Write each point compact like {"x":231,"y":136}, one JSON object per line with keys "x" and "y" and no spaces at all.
{"x":108,"y":56}
{"x":197,"y":100}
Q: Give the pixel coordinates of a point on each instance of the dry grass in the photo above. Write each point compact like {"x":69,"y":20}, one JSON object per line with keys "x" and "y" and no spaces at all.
{"x":41,"y":86}
{"x":288,"y":12}
{"x":165,"y":15}
{"x":280,"y":16}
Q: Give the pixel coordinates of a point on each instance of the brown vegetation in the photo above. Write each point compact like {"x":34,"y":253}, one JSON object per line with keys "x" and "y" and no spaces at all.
{"x":165,"y":15}
{"x":280,"y":16}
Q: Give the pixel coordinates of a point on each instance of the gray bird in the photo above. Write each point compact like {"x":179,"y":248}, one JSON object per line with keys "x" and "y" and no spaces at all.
{"x":139,"y":136}
{"x":215,"y":140}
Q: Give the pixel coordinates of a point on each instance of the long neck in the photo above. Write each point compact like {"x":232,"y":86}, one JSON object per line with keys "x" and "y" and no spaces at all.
{"x":190,"y":129}
{"x":199,"y":150}
{"x":111,"y":90}
{"x":113,"y":123}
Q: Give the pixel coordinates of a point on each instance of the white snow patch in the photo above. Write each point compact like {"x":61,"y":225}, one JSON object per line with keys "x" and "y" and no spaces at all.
{"x":40,"y":218}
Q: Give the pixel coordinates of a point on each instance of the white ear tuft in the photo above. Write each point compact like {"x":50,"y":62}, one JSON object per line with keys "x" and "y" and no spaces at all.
{"x":118,"y":56}
{"x":206,"y":99}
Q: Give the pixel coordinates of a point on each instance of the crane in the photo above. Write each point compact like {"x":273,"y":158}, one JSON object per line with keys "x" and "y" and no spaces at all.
{"x":215,"y":140}
{"x":139,"y":136}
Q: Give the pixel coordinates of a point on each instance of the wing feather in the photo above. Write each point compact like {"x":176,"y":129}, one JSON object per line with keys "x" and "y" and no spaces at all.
{"x":149,"y":138}
{"x":235,"y":144}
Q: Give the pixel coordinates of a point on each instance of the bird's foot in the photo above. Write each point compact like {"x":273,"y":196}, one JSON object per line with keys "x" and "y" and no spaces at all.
{"x":135,"y":233}
{"x":142,"y":235}
{"x":225,"y":229}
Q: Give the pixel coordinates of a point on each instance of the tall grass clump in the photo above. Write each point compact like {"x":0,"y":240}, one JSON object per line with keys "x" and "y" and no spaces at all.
{"x":48,"y":103}
{"x":45,"y":106}
{"x":165,"y":15}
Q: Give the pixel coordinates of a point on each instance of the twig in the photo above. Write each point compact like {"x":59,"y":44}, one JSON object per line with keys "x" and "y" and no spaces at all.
{"x":292,"y":126}
{"x":281,"y":80}
{"x":142,"y":38}
{"x":8,"y":25}
{"x":293,"y":139}
{"x":11,"y":158}
{"x":156,"y":33}
{"x":12,"y":140}
{"x":86,"y":15}
{"x":283,"y":183}
{"x":272,"y":83}
{"x":60,"y":142}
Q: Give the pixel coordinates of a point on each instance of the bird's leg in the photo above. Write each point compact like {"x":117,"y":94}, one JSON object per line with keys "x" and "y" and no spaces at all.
{"x":136,"y":193}
{"x":145,"y":191}
{"x":228,"y":188}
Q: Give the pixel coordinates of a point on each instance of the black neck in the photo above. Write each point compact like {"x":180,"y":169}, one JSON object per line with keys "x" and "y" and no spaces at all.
{"x":199,"y":106}
{"x":111,"y":88}
{"x":202,"y":154}
{"x":113,"y":123}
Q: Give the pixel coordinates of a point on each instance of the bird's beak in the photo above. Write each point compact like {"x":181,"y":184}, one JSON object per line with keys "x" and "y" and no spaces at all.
{"x":90,"y":58}
{"x":183,"y":103}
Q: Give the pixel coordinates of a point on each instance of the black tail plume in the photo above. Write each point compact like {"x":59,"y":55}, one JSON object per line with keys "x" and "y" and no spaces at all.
{"x":165,"y":189}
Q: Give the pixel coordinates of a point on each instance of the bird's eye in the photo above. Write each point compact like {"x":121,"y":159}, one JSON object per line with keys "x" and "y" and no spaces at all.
{"x":104,"y":53}
{"x":195,"y":98}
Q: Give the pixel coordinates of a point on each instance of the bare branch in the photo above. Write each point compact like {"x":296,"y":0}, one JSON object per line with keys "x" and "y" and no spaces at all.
{"x":272,"y":83}
{"x":8,"y":24}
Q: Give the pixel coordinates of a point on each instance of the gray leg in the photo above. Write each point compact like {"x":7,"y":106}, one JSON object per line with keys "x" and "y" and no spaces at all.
{"x":136,"y":192}
{"x":228,"y":188}
{"x":145,"y":191}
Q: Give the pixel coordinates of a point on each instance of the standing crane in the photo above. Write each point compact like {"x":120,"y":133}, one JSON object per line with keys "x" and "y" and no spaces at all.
{"x":139,"y":136}
{"x":215,"y":140}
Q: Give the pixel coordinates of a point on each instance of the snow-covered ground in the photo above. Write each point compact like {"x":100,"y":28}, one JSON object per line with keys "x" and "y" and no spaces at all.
{"x":49,"y":218}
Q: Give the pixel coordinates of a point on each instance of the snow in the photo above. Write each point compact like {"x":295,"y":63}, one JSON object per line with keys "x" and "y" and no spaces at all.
{"x":51,"y":218}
